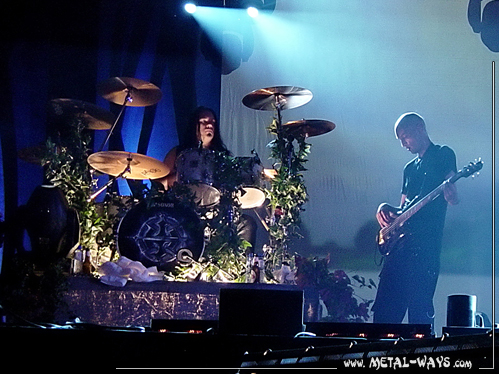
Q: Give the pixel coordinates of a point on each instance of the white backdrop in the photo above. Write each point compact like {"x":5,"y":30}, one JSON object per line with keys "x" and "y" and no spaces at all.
{"x":367,"y":62}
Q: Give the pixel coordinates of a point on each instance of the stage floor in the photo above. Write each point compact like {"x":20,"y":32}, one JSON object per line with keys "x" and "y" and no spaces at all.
{"x":176,"y":325}
{"x":104,"y":348}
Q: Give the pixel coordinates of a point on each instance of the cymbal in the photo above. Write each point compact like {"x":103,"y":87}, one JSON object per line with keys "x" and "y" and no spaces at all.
{"x":33,"y":154}
{"x":308,"y":127}
{"x":95,"y":117}
{"x":284,"y":97}
{"x":115,"y":162}
{"x":141,"y":93}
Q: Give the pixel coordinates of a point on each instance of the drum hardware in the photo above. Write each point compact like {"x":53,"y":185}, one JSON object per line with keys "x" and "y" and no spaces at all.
{"x":94,"y":117}
{"x":308,"y":127}
{"x":102,"y":189}
{"x":196,"y":169}
{"x":250,"y":194}
{"x":128,"y":165}
{"x":126,"y":91}
{"x":33,"y":154}
{"x":304,"y":128}
{"x":278,"y":98}
{"x":130,"y":91}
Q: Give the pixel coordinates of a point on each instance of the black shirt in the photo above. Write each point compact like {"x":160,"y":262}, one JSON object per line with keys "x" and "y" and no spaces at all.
{"x":421,"y":176}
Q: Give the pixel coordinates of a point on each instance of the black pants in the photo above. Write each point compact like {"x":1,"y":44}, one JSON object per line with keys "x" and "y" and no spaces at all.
{"x":407,"y":284}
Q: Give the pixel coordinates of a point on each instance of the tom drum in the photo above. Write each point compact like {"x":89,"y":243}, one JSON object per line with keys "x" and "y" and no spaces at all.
{"x":196,"y":168}
{"x":252,"y":195}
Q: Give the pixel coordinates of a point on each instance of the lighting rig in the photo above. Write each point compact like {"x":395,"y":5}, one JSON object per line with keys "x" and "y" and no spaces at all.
{"x":253,"y":7}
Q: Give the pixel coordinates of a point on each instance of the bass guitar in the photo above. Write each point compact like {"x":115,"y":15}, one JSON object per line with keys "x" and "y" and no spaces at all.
{"x":388,"y":236}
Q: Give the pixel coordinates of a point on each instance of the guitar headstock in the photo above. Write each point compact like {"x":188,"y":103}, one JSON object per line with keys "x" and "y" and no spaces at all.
{"x":471,"y":168}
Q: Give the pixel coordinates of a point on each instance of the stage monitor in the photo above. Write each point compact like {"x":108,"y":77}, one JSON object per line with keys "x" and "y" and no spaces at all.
{"x":247,"y":311}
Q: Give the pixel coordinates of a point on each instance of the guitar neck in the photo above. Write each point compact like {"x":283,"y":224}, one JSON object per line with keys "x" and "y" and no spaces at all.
{"x":387,"y":231}
{"x":420,"y":204}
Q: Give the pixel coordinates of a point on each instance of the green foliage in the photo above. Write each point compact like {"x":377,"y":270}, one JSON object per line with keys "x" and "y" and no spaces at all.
{"x":66,"y":167}
{"x":288,"y":192}
{"x":225,"y":251}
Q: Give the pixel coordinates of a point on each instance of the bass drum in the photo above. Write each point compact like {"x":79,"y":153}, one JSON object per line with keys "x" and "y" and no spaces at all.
{"x":161,"y":234}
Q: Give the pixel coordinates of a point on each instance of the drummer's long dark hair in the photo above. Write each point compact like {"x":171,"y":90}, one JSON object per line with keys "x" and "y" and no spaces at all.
{"x":191,"y":138}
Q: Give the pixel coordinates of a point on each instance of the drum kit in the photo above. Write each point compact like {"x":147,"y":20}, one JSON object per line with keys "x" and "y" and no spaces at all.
{"x":162,"y":234}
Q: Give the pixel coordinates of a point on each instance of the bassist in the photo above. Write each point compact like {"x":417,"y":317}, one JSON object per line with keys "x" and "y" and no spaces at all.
{"x":410,"y":270}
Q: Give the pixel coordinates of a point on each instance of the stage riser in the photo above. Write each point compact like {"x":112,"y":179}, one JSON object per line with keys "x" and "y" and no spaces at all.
{"x":137,"y":304}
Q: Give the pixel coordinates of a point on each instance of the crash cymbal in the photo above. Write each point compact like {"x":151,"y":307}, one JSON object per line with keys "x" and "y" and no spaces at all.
{"x":308,"y":127}
{"x":141,"y":93}
{"x":33,"y":154}
{"x":95,"y":118}
{"x":284,"y":97}
{"x":115,"y":162}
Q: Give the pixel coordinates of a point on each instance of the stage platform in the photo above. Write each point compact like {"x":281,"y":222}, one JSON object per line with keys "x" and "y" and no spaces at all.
{"x":138,"y":304}
{"x":236,"y":328}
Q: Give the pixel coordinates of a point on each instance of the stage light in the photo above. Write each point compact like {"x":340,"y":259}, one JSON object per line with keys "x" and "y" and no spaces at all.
{"x":252,"y":11}
{"x":252,"y":7}
{"x":190,"y":8}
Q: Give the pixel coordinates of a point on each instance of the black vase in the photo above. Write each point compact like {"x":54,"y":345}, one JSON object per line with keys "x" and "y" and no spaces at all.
{"x":51,"y":225}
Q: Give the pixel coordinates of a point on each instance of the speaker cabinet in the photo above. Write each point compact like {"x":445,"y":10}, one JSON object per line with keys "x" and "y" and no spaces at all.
{"x":260,"y":312}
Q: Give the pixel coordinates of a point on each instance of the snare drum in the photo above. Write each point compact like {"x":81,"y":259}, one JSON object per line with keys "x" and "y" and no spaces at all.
{"x":161,"y":234}
{"x":252,"y":195}
{"x":196,"y":168}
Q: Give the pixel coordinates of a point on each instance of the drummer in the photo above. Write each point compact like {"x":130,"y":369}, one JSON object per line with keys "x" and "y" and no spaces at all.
{"x":202,"y":132}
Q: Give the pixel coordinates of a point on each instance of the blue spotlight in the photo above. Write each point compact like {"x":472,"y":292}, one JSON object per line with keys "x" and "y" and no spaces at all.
{"x":252,"y":11}
{"x":190,"y":8}
{"x":252,"y":7}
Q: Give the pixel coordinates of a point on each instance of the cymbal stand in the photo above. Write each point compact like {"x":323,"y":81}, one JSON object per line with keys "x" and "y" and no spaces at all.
{"x":279,"y":116}
{"x":128,"y":98}
{"x":288,"y":141}
{"x":110,"y":182}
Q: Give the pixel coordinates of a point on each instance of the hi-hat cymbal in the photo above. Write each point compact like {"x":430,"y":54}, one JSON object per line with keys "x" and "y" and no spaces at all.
{"x":308,"y":127}
{"x":141,"y":93}
{"x":115,"y":162}
{"x":95,"y":117}
{"x":282,"y":97}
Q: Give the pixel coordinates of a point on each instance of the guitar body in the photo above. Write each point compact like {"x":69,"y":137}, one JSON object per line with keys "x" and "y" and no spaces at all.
{"x":394,"y":239}
{"x":390,"y":237}
{"x":387,"y":242}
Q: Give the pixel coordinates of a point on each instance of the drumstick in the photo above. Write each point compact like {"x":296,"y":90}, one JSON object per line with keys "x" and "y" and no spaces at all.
{"x":262,"y":220}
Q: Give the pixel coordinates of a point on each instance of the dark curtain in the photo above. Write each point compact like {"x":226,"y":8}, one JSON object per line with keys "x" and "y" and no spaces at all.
{"x":56,"y":49}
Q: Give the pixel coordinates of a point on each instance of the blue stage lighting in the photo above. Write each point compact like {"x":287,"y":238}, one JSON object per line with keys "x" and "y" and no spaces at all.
{"x":190,"y":8}
{"x":252,"y":7}
{"x":252,"y":11}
